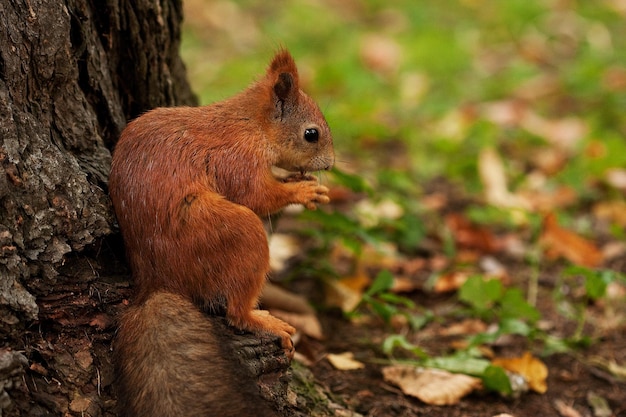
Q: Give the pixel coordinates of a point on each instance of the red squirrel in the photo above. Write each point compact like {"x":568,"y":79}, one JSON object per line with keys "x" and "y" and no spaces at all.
{"x":190,"y":185}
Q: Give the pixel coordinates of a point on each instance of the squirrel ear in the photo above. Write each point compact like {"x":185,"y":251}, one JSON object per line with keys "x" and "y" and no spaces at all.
{"x":284,"y":85}
{"x":283,"y":69}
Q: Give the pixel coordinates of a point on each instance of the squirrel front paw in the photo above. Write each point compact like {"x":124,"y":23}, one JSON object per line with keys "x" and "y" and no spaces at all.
{"x":310,"y":193}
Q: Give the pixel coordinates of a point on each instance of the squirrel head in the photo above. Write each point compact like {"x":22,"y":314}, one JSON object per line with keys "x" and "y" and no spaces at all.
{"x":298,"y":133}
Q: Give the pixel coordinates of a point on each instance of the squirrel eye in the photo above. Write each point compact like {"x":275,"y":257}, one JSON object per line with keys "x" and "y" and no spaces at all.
{"x":311,"y":135}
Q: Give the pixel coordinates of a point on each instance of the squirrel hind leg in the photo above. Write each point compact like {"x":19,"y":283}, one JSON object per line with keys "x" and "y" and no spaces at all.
{"x":245,"y":317}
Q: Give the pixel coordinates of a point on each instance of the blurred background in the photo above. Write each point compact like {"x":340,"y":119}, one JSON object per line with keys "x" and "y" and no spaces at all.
{"x":424,"y":87}
{"x":481,"y":151}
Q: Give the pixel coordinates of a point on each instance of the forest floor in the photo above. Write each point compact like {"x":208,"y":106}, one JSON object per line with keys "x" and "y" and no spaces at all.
{"x":584,"y":354}
{"x":478,"y":217}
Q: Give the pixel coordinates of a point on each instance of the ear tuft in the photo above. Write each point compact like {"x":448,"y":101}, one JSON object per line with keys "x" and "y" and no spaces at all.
{"x":283,"y":62}
{"x":284,"y":85}
{"x":284,"y":73}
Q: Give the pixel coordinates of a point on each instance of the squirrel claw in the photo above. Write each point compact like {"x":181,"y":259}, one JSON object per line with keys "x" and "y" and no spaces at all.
{"x":310,"y":193}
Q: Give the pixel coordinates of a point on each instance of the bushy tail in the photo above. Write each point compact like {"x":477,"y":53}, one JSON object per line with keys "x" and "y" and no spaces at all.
{"x":172,"y":360}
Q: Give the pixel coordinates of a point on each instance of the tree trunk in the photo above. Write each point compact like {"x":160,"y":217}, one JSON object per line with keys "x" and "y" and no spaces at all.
{"x":72,"y":72}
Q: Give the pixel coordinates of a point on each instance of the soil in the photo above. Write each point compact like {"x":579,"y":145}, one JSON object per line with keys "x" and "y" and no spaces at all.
{"x":570,"y":378}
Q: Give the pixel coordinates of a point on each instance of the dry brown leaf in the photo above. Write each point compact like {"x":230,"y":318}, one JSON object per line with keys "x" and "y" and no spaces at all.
{"x":543,"y":201}
{"x":504,"y":112}
{"x":562,"y":242}
{"x":531,"y":368}
{"x":432,"y":386}
{"x":275,"y":297}
{"x":493,"y":177}
{"x":468,"y":235}
{"x":340,"y":293}
{"x":614,"y":78}
{"x":465,"y":327}
{"x":344,"y":361}
{"x":435,"y":201}
{"x":404,"y":285}
{"x":493,"y":268}
{"x":549,"y":160}
{"x":450,"y":281}
{"x":306,"y":323}
{"x":381,"y":54}
{"x":613,"y":211}
{"x":563,"y":133}
{"x":102,"y":321}
{"x":283,"y":247}
{"x":565,"y":410}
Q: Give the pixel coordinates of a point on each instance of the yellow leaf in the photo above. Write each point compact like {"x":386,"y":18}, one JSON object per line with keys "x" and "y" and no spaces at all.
{"x":531,"y":368}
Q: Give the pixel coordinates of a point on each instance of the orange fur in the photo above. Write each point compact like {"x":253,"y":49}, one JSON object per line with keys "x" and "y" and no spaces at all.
{"x":188,"y":186}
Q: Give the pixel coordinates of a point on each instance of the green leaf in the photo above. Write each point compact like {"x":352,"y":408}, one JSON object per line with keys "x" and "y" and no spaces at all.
{"x":480,"y":293}
{"x":397,"y":299}
{"x":417,"y":321}
{"x":383,"y":282}
{"x":461,"y":364}
{"x":397,"y":340}
{"x":384,"y":310}
{"x":495,"y":379}
{"x":595,"y":285}
{"x":514,"y":305}
{"x":354,"y":182}
{"x":514,"y":326}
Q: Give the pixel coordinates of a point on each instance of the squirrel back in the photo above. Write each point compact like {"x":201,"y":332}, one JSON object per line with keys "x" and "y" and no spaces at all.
{"x":188,"y":186}
{"x":172,"y":361}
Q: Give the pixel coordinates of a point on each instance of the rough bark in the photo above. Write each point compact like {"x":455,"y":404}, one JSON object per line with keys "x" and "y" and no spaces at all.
{"x":71,"y":73}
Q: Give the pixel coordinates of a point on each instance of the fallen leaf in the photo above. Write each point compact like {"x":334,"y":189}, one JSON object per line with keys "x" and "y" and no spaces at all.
{"x":542,"y":201}
{"x":493,"y":177}
{"x":306,"y":323}
{"x":611,"y":211}
{"x":344,"y":361}
{"x":599,"y":405}
{"x":565,"y":410}
{"x":504,"y":112}
{"x":370,"y":214}
{"x":404,"y":285}
{"x":549,"y":160}
{"x":531,"y":368}
{"x":616,"y":370}
{"x":465,"y":327}
{"x":614,"y":78}
{"x":450,"y":281}
{"x":347,"y":292}
{"x":563,"y":133}
{"x":494,"y":269}
{"x":381,"y":54}
{"x":101,"y":321}
{"x":432,"y":386}
{"x":469,"y":235}
{"x":36,"y":367}
{"x":616,"y":178}
{"x":283,"y":247}
{"x":561,"y":242}
{"x":278,"y":298}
